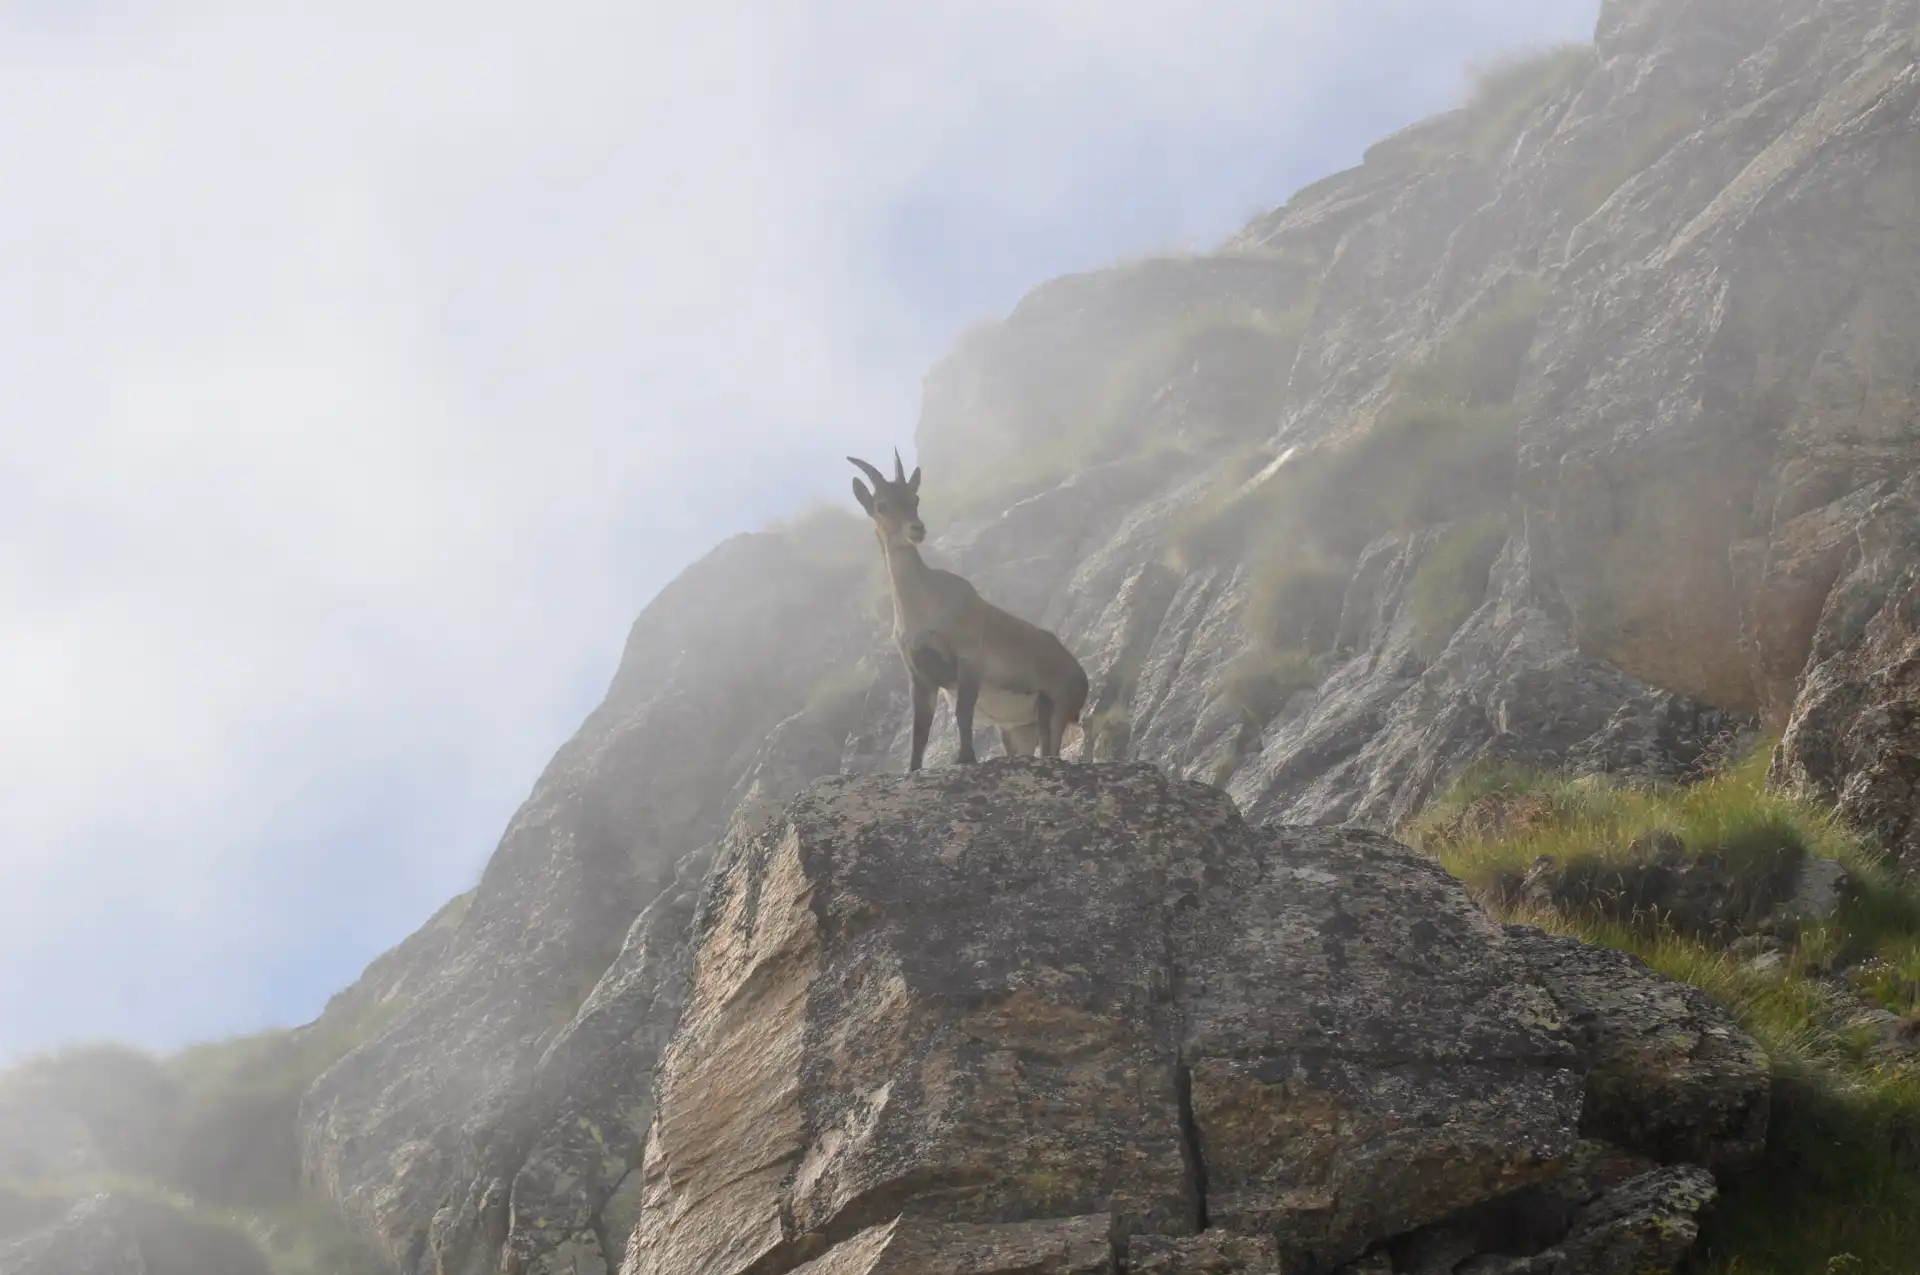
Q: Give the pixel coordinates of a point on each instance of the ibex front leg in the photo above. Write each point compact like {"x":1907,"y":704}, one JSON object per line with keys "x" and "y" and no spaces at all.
{"x":924,"y":695}
{"x":963,"y":701}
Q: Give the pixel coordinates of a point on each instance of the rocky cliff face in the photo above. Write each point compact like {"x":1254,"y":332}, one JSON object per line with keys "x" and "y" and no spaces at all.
{"x":1574,"y":427}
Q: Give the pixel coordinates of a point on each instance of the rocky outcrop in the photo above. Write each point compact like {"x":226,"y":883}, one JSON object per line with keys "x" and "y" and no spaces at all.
{"x":123,"y":1235}
{"x":1648,"y":1223}
{"x":1854,"y":738}
{"x":1002,"y":1017}
{"x":1673,"y":1077}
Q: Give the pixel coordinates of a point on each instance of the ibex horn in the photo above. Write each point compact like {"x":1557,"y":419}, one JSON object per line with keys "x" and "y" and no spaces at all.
{"x":869,"y":470}
{"x":899,"y":470}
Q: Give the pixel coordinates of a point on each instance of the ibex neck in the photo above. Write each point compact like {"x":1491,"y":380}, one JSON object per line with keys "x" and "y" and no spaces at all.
{"x":907,"y":573}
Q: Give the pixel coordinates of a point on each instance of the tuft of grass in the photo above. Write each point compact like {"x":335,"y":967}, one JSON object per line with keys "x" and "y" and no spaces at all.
{"x":214,"y":1122}
{"x":1426,"y":461}
{"x":198,"y":1238}
{"x":301,"y":1238}
{"x":1108,"y":413}
{"x":1442,"y":449}
{"x":1260,"y":681}
{"x":1478,"y":363}
{"x":1451,"y":581}
{"x":1838,"y":1188}
{"x":1505,"y":93}
{"x":309,"y":1238}
{"x":1473,"y":830}
{"x":1639,"y":152}
{"x":1294,"y":600}
{"x":1252,"y":492}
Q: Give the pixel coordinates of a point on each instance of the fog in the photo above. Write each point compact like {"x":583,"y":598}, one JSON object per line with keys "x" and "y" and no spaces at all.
{"x":369,"y":366}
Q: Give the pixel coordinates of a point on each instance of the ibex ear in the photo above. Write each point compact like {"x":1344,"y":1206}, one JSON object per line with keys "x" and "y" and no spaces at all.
{"x":913,"y":483}
{"x":861,"y":494}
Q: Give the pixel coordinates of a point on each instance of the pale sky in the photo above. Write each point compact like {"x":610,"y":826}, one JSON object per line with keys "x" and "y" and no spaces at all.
{"x":365,"y":368}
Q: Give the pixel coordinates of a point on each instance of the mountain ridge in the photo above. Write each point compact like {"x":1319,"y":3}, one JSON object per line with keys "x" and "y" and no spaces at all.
{"x":1573,"y":429}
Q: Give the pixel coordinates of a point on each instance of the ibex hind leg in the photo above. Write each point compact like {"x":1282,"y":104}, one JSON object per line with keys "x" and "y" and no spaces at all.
{"x":964,"y":699}
{"x":1047,"y":725}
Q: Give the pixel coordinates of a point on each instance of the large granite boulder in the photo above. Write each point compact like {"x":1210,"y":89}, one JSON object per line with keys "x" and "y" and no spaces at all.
{"x":1673,"y":1075}
{"x":1022,"y":993}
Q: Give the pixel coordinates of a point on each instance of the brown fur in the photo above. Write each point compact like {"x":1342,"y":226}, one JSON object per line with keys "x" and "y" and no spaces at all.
{"x":1018,"y":675}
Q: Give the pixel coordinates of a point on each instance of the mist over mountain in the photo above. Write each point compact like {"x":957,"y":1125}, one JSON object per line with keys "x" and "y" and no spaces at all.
{"x":1491,"y":847}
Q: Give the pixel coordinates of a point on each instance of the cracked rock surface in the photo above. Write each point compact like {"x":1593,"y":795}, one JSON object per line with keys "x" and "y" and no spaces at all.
{"x":1022,"y":992}
{"x":1673,"y":1076}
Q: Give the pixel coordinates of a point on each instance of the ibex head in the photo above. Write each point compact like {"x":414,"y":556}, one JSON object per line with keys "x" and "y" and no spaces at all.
{"x":894,"y":505}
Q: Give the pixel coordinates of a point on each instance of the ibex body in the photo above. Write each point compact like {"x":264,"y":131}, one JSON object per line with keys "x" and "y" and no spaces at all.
{"x":1015,"y":675}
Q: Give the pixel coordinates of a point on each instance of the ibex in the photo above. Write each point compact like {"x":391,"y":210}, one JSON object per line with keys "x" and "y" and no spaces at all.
{"x":1018,"y":676}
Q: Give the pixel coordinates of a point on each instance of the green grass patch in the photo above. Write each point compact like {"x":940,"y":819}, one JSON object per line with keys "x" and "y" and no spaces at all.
{"x":1260,"y":680}
{"x":309,"y":1238}
{"x":1504,"y":94}
{"x":1451,"y":581}
{"x":1478,"y":363}
{"x":1442,"y":449}
{"x":1294,"y":600}
{"x":300,"y":1238}
{"x":195,"y":1238}
{"x":1107,"y":413}
{"x":1633,"y":158}
{"x":214,"y":1122}
{"x":209,"y":1132}
{"x":1838,"y":1189}
{"x":1492,"y":825}
{"x":1217,"y":528}
{"x":1425,"y":461}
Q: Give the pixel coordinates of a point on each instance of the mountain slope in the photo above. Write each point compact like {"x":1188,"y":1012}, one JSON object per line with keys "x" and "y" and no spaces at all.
{"x":1573,"y":429}
{"x":1542,"y":436}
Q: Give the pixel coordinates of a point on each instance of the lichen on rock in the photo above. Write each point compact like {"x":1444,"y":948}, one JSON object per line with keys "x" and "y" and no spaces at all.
{"x":1020,"y":993}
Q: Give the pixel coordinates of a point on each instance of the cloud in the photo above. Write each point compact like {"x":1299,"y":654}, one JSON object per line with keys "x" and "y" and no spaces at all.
{"x":368,"y":365}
